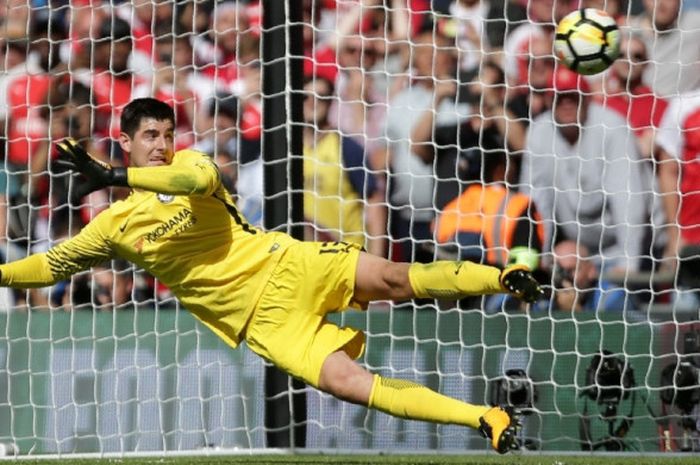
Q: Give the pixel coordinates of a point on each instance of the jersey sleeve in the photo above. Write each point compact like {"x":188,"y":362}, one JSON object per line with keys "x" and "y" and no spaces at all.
{"x":190,"y":173}
{"x":33,"y":271}
{"x":669,"y":136}
{"x":89,"y":248}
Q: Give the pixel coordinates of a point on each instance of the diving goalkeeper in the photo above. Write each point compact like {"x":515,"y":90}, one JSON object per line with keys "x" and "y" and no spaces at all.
{"x":265,"y":288}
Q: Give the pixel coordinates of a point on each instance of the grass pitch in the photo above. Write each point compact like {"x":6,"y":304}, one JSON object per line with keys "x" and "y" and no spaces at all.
{"x":513,"y":459}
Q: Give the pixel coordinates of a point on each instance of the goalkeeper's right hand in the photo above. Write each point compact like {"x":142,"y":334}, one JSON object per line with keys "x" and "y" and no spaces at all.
{"x":518,"y":280}
{"x":97,"y":173}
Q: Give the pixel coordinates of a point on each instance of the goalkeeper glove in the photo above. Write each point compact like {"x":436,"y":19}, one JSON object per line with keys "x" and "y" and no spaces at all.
{"x":97,"y":174}
{"x":518,"y":280}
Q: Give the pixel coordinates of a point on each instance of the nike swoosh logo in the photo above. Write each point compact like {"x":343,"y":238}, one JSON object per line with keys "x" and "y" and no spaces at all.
{"x":122,"y":228}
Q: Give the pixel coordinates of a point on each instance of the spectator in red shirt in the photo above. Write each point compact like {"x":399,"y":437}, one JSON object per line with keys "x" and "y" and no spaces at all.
{"x":543,"y":15}
{"x":13,"y":63}
{"x":361,"y":20}
{"x":83,"y":18}
{"x":27,"y":95}
{"x":177,"y":83}
{"x":112,"y":80}
{"x":144,"y":17}
{"x":678,"y":151}
{"x":27,"y":92}
{"x":626,"y":93}
{"x":217,"y":52}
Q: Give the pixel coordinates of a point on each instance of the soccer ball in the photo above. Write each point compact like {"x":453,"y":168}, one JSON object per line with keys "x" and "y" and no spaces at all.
{"x":587,"y":41}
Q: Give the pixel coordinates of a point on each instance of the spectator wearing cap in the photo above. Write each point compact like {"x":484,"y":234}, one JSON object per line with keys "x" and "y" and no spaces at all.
{"x":584,"y":172}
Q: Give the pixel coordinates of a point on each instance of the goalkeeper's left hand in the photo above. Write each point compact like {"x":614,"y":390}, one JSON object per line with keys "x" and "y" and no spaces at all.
{"x":97,"y":174}
{"x":518,"y":280}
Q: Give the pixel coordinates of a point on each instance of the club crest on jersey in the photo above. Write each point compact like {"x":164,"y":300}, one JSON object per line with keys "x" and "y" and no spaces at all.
{"x":165,"y":198}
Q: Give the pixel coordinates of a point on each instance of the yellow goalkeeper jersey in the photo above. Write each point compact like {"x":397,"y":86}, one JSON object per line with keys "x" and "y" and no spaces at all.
{"x":199,"y":245}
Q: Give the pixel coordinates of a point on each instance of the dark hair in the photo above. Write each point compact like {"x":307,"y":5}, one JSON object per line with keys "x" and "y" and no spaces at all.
{"x":142,"y":108}
{"x":67,"y":92}
{"x":492,"y":159}
{"x":500,"y":74}
{"x":113,"y":28}
{"x":17,"y":45}
{"x":224,"y":104}
{"x":309,"y":78}
{"x":45,"y":23}
{"x":71,"y":91}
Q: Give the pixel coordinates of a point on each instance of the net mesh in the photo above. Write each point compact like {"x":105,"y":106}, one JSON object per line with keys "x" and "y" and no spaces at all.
{"x":432,"y":130}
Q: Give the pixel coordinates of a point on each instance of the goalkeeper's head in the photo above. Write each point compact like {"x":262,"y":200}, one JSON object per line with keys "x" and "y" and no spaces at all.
{"x":148,"y":132}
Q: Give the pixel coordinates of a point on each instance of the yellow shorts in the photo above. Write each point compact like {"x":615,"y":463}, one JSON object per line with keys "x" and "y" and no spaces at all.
{"x":289,"y":327}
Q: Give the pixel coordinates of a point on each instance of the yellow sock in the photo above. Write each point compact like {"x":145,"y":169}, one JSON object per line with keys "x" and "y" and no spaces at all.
{"x":407,"y":399}
{"x":453,"y":280}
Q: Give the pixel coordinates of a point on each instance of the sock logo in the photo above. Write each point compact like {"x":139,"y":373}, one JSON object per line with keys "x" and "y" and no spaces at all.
{"x":459,"y":266}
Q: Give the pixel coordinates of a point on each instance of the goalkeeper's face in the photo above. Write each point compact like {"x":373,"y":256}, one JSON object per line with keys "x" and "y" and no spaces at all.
{"x":152,"y":143}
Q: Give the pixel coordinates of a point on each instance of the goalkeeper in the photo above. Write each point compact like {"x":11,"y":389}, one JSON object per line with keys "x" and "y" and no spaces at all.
{"x":274,"y":292}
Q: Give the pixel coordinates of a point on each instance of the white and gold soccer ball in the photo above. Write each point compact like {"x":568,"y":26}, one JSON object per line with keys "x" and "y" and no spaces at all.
{"x":587,"y":41}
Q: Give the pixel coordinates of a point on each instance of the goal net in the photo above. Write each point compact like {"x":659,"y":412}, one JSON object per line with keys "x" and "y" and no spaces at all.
{"x":431,"y":130}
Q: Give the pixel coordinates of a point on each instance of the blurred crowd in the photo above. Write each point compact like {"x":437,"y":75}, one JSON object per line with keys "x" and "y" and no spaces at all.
{"x":432,"y":128}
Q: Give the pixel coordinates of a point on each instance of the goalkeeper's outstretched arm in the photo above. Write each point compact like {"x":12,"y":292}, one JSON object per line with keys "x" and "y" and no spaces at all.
{"x":33,"y":271}
{"x":190,"y":173}
{"x":85,"y":250}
